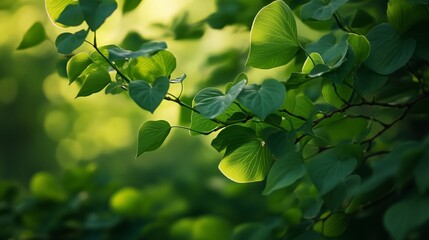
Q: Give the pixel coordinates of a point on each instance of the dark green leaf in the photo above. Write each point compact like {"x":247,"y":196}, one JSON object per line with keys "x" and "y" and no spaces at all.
{"x":389,"y":50}
{"x":368,"y":82}
{"x":146,"y":96}
{"x":285,"y":172}
{"x":95,"y":80}
{"x":420,"y":173}
{"x":320,"y":9}
{"x":161,"y":64}
{"x":274,"y":37}
{"x":71,"y":16}
{"x":333,"y":52}
{"x":130,"y":5}
{"x":211,"y":102}
{"x":33,"y":37}
{"x":54,"y":8}
{"x":232,"y":137}
{"x":201,"y":124}
{"x":114,"y":88}
{"x":329,"y":168}
{"x":281,"y":143}
{"x":402,"y":15}
{"x":96,"y":12}
{"x":152,"y":135}
{"x":263,"y":99}
{"x":405,"y":216}
{"x":66,"y":43}
{"x":248,"y":163}
{"x":76,"y":65}
{"x":147,"y":49}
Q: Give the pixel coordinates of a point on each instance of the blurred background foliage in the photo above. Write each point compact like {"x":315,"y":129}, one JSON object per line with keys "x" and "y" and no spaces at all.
{"x":67,"y":166}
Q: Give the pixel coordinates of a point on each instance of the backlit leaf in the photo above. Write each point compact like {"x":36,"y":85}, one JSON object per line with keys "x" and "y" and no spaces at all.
{"x":274,"y":37}
{"x":148,"y":68}
{"x":95,"y":80}
{"x":54,"y":8}
{"x":149,"y":96}
{"x":96,"y":12}
{"x":76,"y":65}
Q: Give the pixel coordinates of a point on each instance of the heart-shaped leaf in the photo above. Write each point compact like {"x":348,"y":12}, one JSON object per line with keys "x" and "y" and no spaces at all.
{"x":146,"y":96}
{"x":263,"y":99}
{"x":96,"y":12}
{"x":274,"y":37}
{"x":71,"y":16}
{"x":130,"y":5}
{"x":66,"y":43}
{"x":211,"y":102}
{"x":151,"y":135}
{"x":248,"y":163}
{"x":389,"y":50}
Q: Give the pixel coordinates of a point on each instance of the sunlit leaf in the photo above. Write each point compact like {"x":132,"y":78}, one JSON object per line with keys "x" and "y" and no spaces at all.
{"x":285,"y":172}
{"x":76,"y":65}
{"x":360,"y":46}
{"x":312,"y":60}
{"x":406,"y":215}
{"x":211,"y":102}
{"x":152,"y":135}
{"x":248,"y":163}
{"x":333,"y":52}
{"x":263,"y":99}
{"x":337,"y":93}
{"x":274,"y":37}
{"x":161,"y":64}
{"x":34,"y":36}
{"x":320,"y":9}
{"x":149,"y":96}
{"x":389,"y":50}
{"x":54,"y":8}
{"x":66,"y":43}
{"x":232,"y":137}
{"x":95,"y":80}
{"x":333,"y":226}
{"x":96,"y":12}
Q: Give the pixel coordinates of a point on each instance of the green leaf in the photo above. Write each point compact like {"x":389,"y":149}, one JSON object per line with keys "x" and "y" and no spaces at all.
{"x":263,"y":99}
{"x":66,"y":43}
{"x":368,"y":82}
{"x":161,"y":64}
{"x":389,"y":50}
{"x":95,"y":80}
{"x":211,"y":102}
{"x":248,"y":163}
{"x":333,"y":52}
{"x":54,"y":9}
{"x":201,"y":124}
{"x":274,"y":38}
{"x":96,"y":12}
{"x":361,"y":47}
{"x":337,"y":93}
{"x":114,"y":88}
{"x":233,"y":137}
{"x":314,"y":58}
{"x":116,"y":53}
{"x":152,"y":135}
{"x":285,"y":172}
{"x":281,"y":143}
{"x":76,"y":65}
{"x":402,"y":15}
{"x":71,"y":16}
{"x":130,"y":5}
{"x":34,"y":36}
{"x":329,"y":168}
{"x":333,"y":226}
{"x":146,"y":96}
{"x":405,"y":216}
{"x":320,"y":9}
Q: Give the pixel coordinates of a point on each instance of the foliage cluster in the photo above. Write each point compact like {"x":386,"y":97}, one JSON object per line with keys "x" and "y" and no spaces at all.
{"x":320,"y":136}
